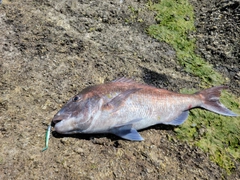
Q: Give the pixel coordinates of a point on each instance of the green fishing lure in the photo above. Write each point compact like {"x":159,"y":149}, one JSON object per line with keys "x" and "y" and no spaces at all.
{"x":47,"y":138}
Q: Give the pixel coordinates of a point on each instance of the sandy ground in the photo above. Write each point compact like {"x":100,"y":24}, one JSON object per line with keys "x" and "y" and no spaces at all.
{"x":50,"y":50}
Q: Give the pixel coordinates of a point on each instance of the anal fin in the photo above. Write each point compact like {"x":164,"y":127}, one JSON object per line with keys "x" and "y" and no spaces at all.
{"x":180,"y":119}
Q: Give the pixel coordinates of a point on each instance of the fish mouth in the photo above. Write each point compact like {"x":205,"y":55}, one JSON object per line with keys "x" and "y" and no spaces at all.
{"x":55,"y":121}
{"x":58,"y":118}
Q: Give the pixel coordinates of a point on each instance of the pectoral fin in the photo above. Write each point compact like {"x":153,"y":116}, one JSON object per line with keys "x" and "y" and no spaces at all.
{"x":117,"y":101}
{"x":127,"y":132}
{"x":180,"y":119}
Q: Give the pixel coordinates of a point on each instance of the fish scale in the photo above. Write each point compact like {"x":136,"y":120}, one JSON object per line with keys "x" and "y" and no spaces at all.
{"x":123,"y":106}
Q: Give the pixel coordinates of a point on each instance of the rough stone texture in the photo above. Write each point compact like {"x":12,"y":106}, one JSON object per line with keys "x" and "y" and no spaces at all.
{"x":50,"y":50}
{"x":218,"y":32}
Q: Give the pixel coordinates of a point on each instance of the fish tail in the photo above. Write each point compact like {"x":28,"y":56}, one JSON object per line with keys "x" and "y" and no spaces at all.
{"x":211,"y":101}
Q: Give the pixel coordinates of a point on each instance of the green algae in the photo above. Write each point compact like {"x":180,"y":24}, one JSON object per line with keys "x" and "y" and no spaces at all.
{"x":175,"y":23}
{"x":215,"y":134}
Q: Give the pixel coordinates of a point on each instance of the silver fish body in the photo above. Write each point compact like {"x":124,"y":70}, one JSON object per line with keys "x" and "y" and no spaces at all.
{"x":122,"y":107}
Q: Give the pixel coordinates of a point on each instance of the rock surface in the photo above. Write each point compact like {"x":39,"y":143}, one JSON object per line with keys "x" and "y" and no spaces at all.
{"x":50,"y":50}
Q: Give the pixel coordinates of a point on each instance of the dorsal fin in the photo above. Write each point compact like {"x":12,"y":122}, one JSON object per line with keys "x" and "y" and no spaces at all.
{"x":124,"y":79}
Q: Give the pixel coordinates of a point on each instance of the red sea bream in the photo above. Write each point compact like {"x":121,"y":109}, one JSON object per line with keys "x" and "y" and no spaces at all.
{"x":122,"y":107}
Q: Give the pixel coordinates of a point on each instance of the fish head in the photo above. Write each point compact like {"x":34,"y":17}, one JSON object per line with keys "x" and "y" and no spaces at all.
{"x":76,"y":115}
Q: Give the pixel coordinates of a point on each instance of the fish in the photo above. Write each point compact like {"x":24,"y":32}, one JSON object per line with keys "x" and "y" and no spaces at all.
{"x":123,"y":106}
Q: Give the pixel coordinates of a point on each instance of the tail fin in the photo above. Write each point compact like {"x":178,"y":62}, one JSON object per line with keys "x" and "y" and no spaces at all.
{"x":211,"y":101}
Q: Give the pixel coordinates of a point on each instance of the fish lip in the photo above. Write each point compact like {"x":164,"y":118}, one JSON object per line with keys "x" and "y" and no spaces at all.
{"x":55,"y":121}
{"x":58,"y":118}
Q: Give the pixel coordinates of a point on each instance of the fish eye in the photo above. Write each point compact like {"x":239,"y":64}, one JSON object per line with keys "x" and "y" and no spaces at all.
{"x":76,"y":98}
